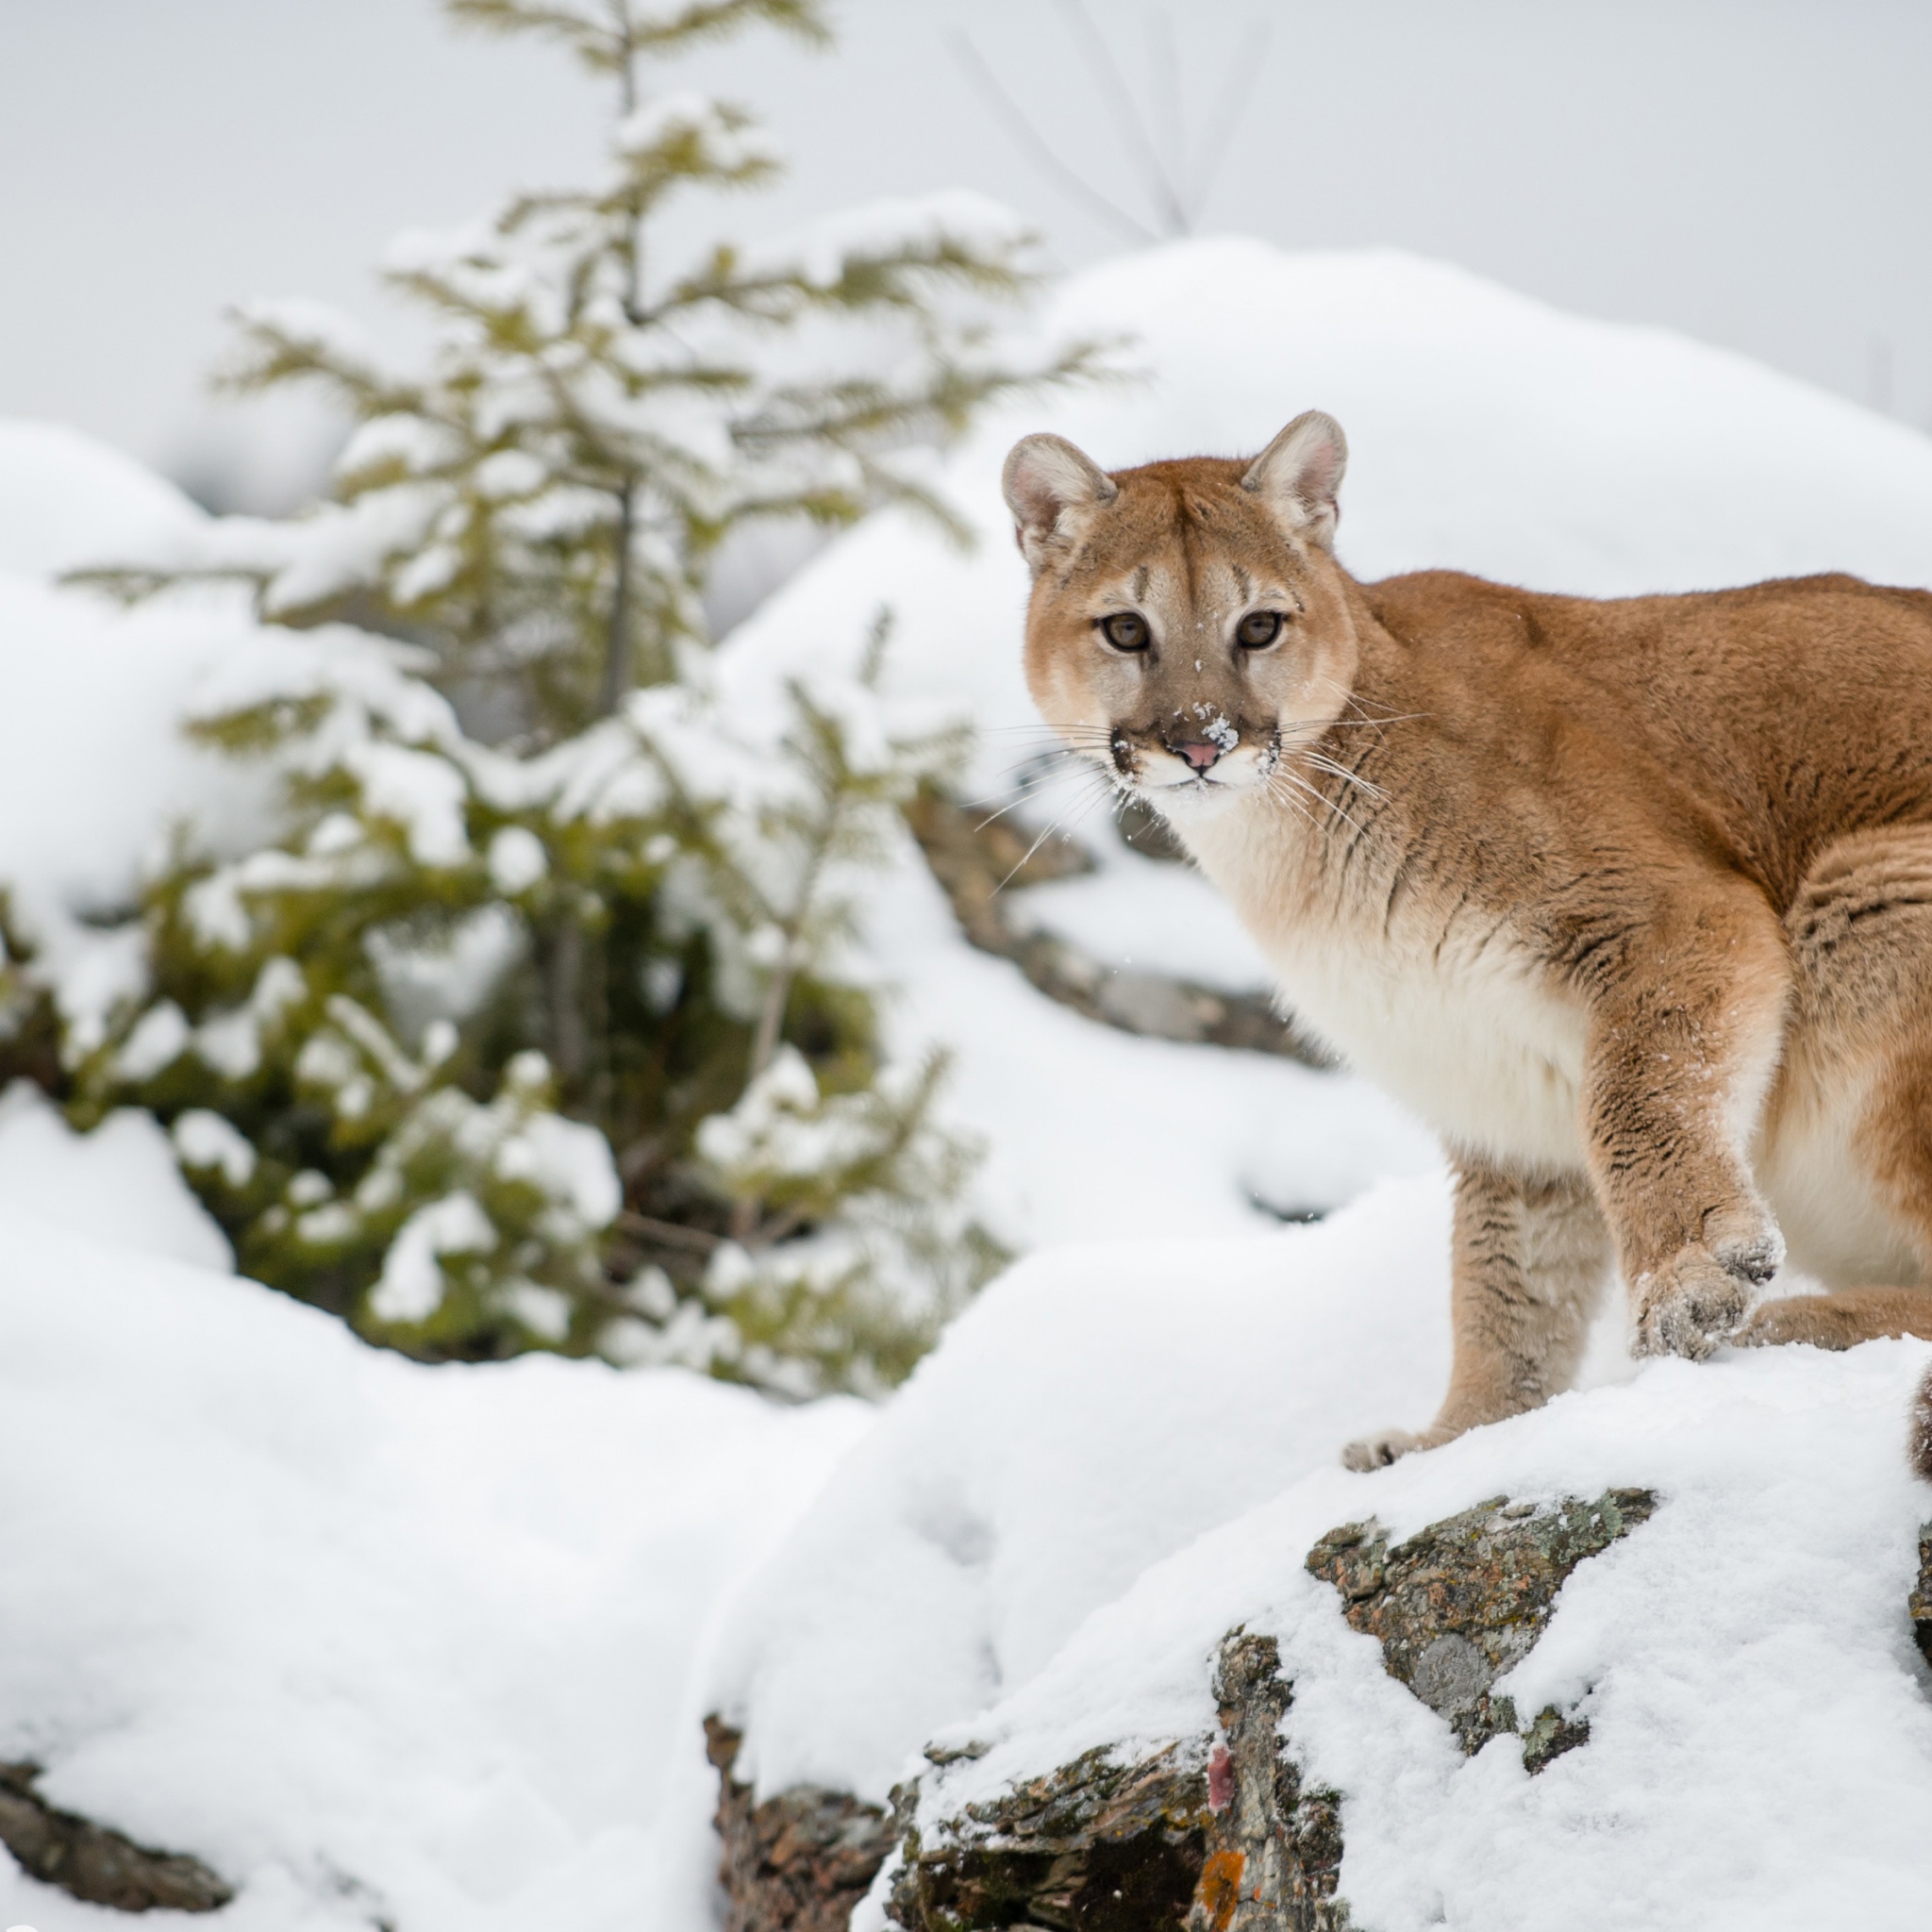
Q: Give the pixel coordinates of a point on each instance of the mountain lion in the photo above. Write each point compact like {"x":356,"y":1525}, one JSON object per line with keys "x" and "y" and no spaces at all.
{"x":1632,"y":900}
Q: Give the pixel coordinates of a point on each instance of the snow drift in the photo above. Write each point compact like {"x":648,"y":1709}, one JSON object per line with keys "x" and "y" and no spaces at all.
{"x":373,"y":1639}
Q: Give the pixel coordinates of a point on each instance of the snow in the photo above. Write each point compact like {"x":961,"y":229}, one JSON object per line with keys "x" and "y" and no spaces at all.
{"x":378,"y":1639}
{"x":1151,"y":914}
{"x":117,"y":1185}
{"x":204,"y":1139}
{"x":1010,"y":1492}
{"x":1123,"y":1451}
{"x":373,"y":1638}
{"x":410,"y":1288}
{"x":920,"y":229}
{"x":716,"y":140}
{"x":67,"y":501}
{"x":1090,"y":1133}
{"x":71,"y":845}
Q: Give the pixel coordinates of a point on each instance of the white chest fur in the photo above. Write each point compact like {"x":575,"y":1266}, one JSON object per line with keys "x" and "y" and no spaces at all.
{"x":1453,"y":1020}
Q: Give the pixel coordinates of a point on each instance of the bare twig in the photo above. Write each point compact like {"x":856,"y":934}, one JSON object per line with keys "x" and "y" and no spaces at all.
{"x":669,"y":1234}
{"x":1014,"y":119}
{"x":1132,"y":121}
{"x":1236,"y":97}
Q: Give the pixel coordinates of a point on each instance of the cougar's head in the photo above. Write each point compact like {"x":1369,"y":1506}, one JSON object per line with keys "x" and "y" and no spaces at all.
{"x":1189,"y":626}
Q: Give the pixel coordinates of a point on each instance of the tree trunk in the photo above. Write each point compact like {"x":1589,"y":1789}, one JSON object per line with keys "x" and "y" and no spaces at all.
{"x":619,"y":671}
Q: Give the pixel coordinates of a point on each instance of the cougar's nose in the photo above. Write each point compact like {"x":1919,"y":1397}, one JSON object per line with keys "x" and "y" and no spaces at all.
{"x":1199,"y":752}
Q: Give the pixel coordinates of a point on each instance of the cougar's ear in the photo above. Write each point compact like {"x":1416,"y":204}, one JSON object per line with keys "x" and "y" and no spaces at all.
{"x":1298,"y":474}
{"x":1049,"y":485}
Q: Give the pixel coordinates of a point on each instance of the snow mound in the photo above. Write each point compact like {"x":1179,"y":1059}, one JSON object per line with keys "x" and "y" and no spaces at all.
{"x":119,"y":1185}
{"x":68,"y":501}
{"x":1124,"y":1451}
{"x":378,"y":1641}
{"x":1095,"y":1410}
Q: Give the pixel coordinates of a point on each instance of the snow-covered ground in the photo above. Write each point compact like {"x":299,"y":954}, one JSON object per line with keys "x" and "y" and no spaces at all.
{"x":1118,"y":1455}
{"x":374,"y":1640}
{"x":332,"y":1620}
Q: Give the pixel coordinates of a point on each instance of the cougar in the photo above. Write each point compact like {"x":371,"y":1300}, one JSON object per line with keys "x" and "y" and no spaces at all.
{"x":1630,"y":899}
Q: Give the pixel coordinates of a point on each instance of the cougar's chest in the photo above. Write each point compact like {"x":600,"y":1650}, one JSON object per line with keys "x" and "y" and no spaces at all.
{"x":1442,"y":1007}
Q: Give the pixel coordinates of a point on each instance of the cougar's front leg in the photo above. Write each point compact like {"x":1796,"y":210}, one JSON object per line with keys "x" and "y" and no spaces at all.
{"x":1686,"y":1027}
{"x":1527,"y":1267}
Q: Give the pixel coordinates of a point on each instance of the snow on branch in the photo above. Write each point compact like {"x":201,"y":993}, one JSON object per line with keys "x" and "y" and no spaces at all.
{"x":606,"y":35}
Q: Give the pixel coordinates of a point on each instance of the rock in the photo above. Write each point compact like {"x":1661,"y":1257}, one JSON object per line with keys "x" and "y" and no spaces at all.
{"x":1206,"y":1834}
{"x":1920,"y":1603}
{"x":1218,"y":1833}
{"x":1273,"y":1842}
{"x":1460,"y":1603}
{"x":91,"y":1862}
{"x":797,"y":1863}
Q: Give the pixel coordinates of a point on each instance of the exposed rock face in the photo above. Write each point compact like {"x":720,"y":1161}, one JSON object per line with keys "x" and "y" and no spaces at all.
{"x":1461,"y":1602}
{"x":1096,"y":1843}
{"x":1209,"y":1835}
{"x":1219,"y":1833}
{"x":91,"y":1862}
{"x":1273,"y":1842}
{"x":798,"y":1862}
{"x":1920,"y":1603}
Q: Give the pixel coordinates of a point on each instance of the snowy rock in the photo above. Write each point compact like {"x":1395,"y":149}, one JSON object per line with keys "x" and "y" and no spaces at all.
{"x":1219,"y":1832}
{"x":796,"y":1862}
{"x":1124,"y":1451}
{"x":1463,"y":1602}
{"x":95,"y":1865}
{"x":1214,"y":1834}
{"x":976,"y":859}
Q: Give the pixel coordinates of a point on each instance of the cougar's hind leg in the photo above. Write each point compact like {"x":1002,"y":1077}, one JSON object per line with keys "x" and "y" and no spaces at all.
{"x":1849,"y":1144}
{"x":1892,"y":1145}
{"x":1530,"y":1262}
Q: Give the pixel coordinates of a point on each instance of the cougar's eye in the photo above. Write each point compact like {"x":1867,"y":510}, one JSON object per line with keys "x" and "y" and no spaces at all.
{"x":1257,"y":629}
{"x":1125,"y":631}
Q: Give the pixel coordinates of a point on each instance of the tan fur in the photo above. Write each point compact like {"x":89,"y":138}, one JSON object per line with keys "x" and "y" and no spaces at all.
{"x":1632,"y":899}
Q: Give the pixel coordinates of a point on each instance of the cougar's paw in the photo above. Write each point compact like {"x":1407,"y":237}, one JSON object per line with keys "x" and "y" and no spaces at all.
{"x":1747,"y":1246}
{"x":1691,"y":1304}
{"x":1378,"y":1451}
{"x":1793,"y":1318}
{"x":1391,"y":1445}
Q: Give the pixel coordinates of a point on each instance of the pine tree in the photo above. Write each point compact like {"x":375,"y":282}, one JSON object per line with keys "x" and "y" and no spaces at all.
{"x":544,"y":501}
{"x":557,"y":1040}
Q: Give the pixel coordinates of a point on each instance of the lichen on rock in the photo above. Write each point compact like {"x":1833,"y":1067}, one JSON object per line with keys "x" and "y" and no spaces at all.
{"x":1464,"y":1601}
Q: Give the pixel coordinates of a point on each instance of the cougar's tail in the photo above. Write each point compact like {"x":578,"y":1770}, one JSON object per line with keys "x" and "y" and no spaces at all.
{"x":1920,"y":1443}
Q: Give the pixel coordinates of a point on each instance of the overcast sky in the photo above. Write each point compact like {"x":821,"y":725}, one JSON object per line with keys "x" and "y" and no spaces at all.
{"x":1753,"y":173}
